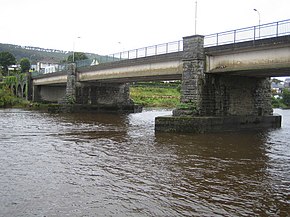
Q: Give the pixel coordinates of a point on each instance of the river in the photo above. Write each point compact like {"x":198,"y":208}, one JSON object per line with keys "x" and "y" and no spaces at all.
{"x":116,"y":165}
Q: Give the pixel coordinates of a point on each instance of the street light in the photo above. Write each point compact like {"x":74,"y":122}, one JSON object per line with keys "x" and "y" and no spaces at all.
{"x":195,"y":18}
{"x":73,"y":54}
{"x":259,"y":21}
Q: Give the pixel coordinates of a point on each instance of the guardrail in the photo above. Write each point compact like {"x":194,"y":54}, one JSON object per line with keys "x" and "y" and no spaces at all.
{"x":253,"y":33}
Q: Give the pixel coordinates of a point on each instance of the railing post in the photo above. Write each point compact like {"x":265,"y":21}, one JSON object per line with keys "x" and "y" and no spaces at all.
{"x":166,"y":47}
{"x":277,"y":30}
{"x":254,"y":33}
{"x":136,"y":53}
{"x":178,"y":45}
{"x":155,"y":49}
{"x":235,"y":32}
{"x":217,"y":39}
{"x":145,"y":51}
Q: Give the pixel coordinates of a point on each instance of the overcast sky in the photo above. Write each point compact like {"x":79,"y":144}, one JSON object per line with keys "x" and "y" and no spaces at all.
{"x":107,"y":26}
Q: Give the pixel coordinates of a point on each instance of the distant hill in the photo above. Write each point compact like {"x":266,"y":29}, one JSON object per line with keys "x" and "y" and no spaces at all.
{"x":37,"y":54}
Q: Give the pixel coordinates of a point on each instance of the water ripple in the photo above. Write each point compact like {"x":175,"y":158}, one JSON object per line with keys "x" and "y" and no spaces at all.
{"x":115,"y":165}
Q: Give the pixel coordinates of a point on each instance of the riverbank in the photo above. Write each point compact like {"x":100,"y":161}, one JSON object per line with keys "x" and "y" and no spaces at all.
{"x":155,"y":96}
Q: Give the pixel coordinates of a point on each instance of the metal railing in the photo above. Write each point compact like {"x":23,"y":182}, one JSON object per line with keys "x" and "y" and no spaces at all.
{"x":153,"y":50}
{"x":53,"y":69}
{"x":253,"y":33}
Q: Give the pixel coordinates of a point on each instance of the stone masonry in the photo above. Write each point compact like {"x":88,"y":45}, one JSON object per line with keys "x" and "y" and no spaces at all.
{"x":193,"y":70}
{"x":219,"y":95}
{"x":111,"y":94}
{"x":70,"y":95}
{"x":224,"y":95}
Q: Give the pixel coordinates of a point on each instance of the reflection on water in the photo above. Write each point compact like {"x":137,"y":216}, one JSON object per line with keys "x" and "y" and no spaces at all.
{"x":115,"y":165}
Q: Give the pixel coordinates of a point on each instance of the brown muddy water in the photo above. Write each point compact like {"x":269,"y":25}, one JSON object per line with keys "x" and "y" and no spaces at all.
{"x":116,"y":165}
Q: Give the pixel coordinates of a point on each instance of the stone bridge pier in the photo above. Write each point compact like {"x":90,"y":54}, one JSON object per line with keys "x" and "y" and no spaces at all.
{"x":104,"y":95}
{"x":217,"y":102}
{"x":98,"y":95}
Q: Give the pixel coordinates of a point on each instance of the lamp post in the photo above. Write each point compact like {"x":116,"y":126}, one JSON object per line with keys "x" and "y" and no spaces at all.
{"x":195,"y":18}
{"x":73,"y":54}
{"x":259,"y":21}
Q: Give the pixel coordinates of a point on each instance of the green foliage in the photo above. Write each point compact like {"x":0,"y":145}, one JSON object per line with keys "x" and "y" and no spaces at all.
{"x":25,"y":65}
{"x":6,"y":97}
{"x":187,"y":106}
{"x":276,"y":81}
{"x":76,"y":57}
{"x":155,"y":97}
{"x":70,"y":99}
{"x":6,"y":59}
{"x":10,"y":80}
{"x":286,"y":97}
{"x":277,"y":103}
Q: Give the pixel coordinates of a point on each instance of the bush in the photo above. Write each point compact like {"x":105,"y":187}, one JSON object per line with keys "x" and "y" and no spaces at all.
{"x":6,"y":97}
{"x":286,"y":97}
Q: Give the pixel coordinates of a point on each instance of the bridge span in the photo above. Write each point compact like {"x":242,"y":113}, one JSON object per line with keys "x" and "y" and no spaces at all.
{"x":227,"y":78}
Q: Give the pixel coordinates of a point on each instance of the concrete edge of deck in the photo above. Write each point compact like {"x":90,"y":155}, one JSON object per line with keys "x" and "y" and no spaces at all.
{"x":191,"y":124}
{"x":79,"y":108}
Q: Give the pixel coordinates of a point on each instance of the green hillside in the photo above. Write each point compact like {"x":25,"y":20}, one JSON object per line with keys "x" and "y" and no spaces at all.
{"x":36,"y":54}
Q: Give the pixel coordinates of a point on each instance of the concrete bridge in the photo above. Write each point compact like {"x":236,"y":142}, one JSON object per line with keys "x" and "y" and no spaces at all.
{"x":220,"y":78}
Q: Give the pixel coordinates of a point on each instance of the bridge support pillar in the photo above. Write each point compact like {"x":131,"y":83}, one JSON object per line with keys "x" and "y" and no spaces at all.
{"x":105,"y":96}
{"x":212,"y":103}
{"x":70,"y":92}
{"x":36,"y":96}
{"x":193,"y":75}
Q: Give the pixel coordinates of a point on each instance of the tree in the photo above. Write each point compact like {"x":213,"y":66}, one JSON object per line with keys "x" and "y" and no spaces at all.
{"x":77,"y":56}
{"x":25,"y":65}
{"x":276,"y":81}
{"x":6,"y":59}
{"x":286,"y":97}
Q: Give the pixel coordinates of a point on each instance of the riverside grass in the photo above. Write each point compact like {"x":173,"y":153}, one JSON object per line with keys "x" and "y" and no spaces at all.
{"x":155,"y":96}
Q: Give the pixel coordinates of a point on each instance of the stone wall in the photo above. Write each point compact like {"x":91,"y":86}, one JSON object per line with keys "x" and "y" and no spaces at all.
{"x":48,"y":93}
{"x":234,"y":95}
{"x":113,"y":94}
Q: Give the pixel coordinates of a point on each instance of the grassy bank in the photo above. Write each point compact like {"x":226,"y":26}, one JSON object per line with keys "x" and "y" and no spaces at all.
{"x":155,"y":96}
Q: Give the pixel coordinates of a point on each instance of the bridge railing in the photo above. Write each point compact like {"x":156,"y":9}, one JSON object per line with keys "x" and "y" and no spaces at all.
{"x":268,"y":30}
{"x":248,"y":34}
{"x":52,"y":69}
{"x":153,"y":50}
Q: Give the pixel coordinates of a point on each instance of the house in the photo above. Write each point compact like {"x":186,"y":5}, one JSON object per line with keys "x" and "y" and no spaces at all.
{"x":47,"y":67}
